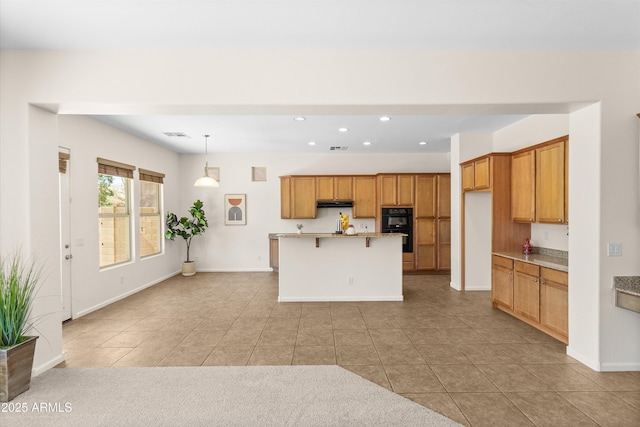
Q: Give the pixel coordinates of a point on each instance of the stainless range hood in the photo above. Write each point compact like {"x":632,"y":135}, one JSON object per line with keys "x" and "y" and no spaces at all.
{"x":335,"y":204}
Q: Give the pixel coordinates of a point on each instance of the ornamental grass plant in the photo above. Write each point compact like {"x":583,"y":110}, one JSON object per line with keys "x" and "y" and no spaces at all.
{"x":19,"y":277}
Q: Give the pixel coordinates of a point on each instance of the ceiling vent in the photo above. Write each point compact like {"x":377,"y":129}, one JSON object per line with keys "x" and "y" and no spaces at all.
{"x":177,"y":134}
{"x":339,"y":148}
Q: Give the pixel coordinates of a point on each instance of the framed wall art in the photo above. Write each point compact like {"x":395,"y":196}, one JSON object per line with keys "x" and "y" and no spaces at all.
{"x":214,"y":172}
{"x":235,"y":209}
{"x":258,"y":173}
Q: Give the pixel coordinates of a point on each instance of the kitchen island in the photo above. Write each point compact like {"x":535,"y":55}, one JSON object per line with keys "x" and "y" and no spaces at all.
{"x":340,"y":267}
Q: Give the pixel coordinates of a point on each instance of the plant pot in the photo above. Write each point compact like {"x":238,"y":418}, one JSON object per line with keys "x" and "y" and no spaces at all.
{"x":188,"y":268}
{"x":16,"y":364}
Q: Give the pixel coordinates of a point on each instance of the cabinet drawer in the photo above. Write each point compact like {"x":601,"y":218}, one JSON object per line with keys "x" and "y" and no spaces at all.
{"x":556,"y":276}
{"x":530,"y":269}
{"x":503,"y":262}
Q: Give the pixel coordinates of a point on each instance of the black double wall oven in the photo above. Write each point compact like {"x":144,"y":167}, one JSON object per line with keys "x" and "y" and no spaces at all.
{"x":399,"y":220}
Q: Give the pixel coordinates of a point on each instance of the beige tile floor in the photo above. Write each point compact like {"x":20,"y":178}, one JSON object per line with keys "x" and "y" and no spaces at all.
{"x":449,"y":351}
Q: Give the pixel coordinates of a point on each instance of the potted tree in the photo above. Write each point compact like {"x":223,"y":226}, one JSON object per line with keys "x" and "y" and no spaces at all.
{"x":18,"y":284}
{"x":187,"y":228}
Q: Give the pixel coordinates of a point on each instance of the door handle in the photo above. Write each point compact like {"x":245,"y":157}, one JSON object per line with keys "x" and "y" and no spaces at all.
{"x":68,"y":256}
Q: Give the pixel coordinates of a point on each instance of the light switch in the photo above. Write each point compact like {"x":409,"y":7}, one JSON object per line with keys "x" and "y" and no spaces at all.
{"x":614,"y":249}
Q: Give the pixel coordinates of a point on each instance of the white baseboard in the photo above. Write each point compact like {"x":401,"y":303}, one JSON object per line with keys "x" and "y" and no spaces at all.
{"x":593,"y":364}
{"x":619,"y":367}
{"x":339,"y":299}
{"x":455,"y":286}
{"x":477,"y":287}
{"x":122,"y":296}
{"x":47,"y":365}
{"x":235,"y":270}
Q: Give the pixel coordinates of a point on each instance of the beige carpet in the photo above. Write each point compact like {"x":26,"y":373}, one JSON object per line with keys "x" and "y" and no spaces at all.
{"x":213,"y":396}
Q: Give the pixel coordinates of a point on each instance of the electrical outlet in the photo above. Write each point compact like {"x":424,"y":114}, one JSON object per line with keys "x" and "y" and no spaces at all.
{"x":122,"y":280}
{"x":614,"y":249}
{"x":259,"y":258}
{"x":350,"y":281}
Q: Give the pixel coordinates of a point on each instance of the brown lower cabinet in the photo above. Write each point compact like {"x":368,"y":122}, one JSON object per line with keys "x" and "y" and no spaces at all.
{"x":536,"y":295}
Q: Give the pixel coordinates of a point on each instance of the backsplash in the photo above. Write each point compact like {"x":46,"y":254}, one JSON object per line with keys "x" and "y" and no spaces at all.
{"x":554,"y":236}
{"x":551,"y":252}
{"x":325,"y":222}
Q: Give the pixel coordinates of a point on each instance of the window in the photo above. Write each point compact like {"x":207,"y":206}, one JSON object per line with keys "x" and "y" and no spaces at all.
{"x":150,"y":208}
{"x":114,"y":218}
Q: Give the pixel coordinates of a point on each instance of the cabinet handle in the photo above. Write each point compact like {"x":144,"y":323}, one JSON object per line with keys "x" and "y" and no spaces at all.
{"x":535,"y":280}
{"x":559,"y":219}
{"x":530,"y":219}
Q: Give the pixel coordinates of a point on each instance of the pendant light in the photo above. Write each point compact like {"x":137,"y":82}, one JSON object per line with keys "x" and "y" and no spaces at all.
{"x":206,"y":180}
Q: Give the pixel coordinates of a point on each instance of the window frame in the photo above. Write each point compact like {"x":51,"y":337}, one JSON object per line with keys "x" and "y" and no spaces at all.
{"x":160,"y":187}
{"x":125,"y":175}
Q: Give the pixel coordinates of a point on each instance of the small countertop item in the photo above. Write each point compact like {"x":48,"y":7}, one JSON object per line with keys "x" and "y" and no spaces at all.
{"x":555,"y":263}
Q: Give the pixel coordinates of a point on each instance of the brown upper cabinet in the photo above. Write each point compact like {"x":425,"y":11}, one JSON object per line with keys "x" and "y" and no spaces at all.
{"x":299,"y":194}
{"x":298,"y":197}
{"x":550,"y":183}
{"x":364,"y":197}
{"x":476,"y":174}
{"x":396,"y":189}
{"x":523,"y":200}
{"x":334,"y":187}
{"x":539,"y":183}
{"x":443,"y":183}
{"x":426,"y":196}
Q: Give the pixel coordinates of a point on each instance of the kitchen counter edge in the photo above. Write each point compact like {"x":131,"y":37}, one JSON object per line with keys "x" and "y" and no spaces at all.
{"x":331,"y":235}
{"x":561,"y":264}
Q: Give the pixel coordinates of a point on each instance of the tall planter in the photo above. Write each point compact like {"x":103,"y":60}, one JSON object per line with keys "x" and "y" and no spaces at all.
{"x":16,"y":364}
{"x":187,"y":228}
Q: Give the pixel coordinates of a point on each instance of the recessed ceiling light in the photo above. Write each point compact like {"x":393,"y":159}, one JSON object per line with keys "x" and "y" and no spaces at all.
{"x":385,"y":118}
{"x":312,"y":143}
{"x":422,"y":143}
{"x":366,"y":143}
{"x":300,"y":119}
{"x":343,"y":129}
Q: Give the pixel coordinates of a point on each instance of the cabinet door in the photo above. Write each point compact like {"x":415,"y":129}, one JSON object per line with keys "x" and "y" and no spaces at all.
{"x":481,"y":174}
{"x":523,"y":186}
{"x":274,"y":257}
{"x":526,"y":296}
{"x":444,"y":195}
{"x":343,"y":187}
{"x":468,"y":179}
{"x":425,"y":236}
{"x":426,"y":201}
{"x":443,"y":255}
{"x":303,"y":197}
{"x":405,"y":190}
{"x":554,"y":300}
{"x":364,"y":197}
{"x":324,"y":187}
{"x":502,"y":282}
{"x":285,"y":197}
{"x":550,"y":166}
{"x":388,"y":190}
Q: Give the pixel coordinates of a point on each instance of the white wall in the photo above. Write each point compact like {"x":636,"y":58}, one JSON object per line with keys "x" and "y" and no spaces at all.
{"x":349,"y":81}
{"x":477,"y":241}
{"x":89,"y":139}
{"x":246,"y":247}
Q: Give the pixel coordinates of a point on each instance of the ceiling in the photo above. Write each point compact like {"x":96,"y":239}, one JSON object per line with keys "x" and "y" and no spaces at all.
{"x":317,"y":24}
